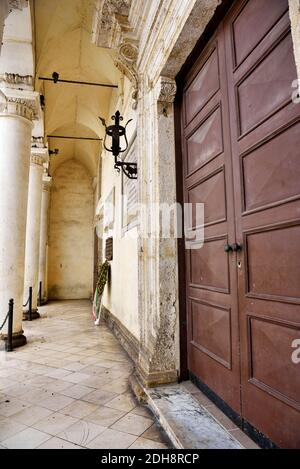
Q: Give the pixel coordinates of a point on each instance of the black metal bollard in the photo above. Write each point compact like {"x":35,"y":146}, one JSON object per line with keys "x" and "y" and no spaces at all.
{"x":40,"y":300}
{"x":9,"y":344}
{"x":30,"y":305}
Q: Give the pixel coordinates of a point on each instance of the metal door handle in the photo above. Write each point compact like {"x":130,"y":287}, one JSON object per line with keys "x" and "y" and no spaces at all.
{"x":235,"y":247}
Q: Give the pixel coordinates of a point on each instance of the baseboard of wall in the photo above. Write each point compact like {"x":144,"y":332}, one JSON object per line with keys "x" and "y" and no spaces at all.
{"x":128,"y":341}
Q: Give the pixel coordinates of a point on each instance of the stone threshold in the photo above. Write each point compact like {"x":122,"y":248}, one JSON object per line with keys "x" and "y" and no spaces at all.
{"x":188,"y":423}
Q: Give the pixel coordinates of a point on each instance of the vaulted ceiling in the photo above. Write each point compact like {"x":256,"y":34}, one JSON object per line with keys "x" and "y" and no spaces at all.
{"x":63,"y":31}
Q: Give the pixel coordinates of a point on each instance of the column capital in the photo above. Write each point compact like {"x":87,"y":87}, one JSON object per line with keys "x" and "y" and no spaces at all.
{"x":20,"y":103}
{"x":166,"y":90}
{"x":47,"y":183}
{"x":17,"y":4}
{"x":39,"y":156}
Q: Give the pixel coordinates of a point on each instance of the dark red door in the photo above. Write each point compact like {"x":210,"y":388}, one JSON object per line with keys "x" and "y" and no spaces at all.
{"x":211,"y":272}
{"x":241,"y":139}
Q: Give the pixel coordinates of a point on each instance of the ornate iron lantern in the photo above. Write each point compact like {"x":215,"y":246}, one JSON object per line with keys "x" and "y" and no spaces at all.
{"x":117,"y":131}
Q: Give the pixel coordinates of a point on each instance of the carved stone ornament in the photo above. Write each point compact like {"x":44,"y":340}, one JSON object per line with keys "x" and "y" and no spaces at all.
{"x":111,"y":18}
{"x":37,"y":142}
{"x":36,"y":159}
{"x":39,"y":156}
{"x":16,"y":80}
{"x":17,"y":4}
{"x":167,"y":90}
{"x":111,"y":28}
{"x":126,"y":63}
{"x":19,"y":107}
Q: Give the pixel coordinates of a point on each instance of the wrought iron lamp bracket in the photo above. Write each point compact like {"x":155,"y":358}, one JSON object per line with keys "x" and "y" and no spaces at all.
{"x":117,"y":131}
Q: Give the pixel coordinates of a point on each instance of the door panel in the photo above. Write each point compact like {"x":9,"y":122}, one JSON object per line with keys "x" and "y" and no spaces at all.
{"x":266,"y":166}
{"x":211,"y":273}
{"x":241,"y":140}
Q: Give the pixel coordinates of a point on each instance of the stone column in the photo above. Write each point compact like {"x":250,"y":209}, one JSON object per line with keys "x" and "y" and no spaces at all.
{"x":47,"y":181}
{"x":158,"y":277}
{"x":38,"y":158}
{"x":15,"y":140}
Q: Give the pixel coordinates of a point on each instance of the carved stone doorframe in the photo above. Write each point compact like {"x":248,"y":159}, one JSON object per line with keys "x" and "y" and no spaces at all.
{"x":159,"y":356}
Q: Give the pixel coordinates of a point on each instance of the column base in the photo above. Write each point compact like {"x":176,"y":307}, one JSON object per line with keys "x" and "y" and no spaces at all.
{"x":151,"y":379}
{"x":18,"y":340}
{"x":34,"y":315}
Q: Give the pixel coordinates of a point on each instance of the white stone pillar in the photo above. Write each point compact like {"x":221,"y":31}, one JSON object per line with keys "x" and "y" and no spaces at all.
{"x":47,"y":181}
{"x":15,"y":141}
{"x":32,"y":249}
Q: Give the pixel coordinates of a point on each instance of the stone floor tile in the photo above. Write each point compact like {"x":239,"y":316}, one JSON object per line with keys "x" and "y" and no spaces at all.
{"x":112,"y":439}
{"x":56,"y":402}
{"x":124,"y":402}
{"x":55,"y":423}
{"x":58,"y":373}
{"x":143,"y":443}
{"x":76,"y":377}
{"x":31,"y":415}
{"x":9,"y":428}
{"x":154,"y":433}
{"x":59,"y":386}
{"x":96,"y":382}
{"x":94,"y":370}
{"x":11,"y":406}
{"x":47,"y":378}
{"x":105,"y":416}
{"x":76,"y":391}
{"x":6,"y":372}
{"x":58,"y":443}
{"x":6,"y":383}
{"x":99,"y":397}
{"x":26,"y":439}
{"x":132,"y":423}
{"x":36,"y":395}
{"x":40,"y":381}
{"x":118,"y":386}
{"x":142,"y":410}
{"x":74,"y":366}
{"x":82,"y":432}
{"x":79,"y":409}
{"x":19,"y":389}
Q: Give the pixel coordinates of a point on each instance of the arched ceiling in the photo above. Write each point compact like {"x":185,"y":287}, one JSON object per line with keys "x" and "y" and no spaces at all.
{"x":63,"y":31}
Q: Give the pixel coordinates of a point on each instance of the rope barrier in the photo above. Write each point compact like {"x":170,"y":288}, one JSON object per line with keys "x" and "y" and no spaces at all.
{"x":24,"y":306}
{"x":29,"y":303}
{"x":4,"y":322}
{"x":9,"y":317}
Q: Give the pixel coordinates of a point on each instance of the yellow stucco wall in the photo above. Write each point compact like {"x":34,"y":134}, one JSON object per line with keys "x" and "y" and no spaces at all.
{"x":121,"y":294}
{"x":71,"y":233}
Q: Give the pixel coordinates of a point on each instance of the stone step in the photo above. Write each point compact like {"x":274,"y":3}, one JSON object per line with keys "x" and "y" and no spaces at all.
{"x":186,"y":422}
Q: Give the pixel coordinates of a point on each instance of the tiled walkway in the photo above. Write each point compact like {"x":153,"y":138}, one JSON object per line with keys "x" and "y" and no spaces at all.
{"x":68,"y":387}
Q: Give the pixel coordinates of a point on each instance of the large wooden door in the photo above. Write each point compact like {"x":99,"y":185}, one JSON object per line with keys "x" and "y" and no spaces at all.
{"x":211,"y":272}
{"x":241,"y":145}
